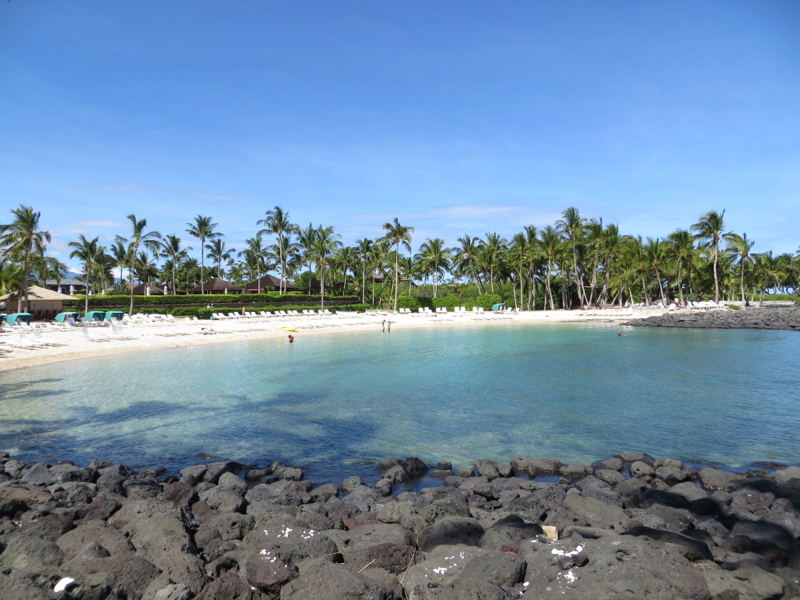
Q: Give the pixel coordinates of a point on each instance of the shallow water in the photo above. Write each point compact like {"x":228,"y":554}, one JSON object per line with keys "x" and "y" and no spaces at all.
{"x":576,"y":392}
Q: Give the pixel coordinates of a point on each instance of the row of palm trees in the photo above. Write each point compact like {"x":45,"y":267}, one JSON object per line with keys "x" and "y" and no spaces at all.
{"x":573,"y":262}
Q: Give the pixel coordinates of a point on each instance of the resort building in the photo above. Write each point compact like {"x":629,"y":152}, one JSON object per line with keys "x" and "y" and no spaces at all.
{"x":147,"y":289}
{"x":217,"y":286}
{"x":67,"y":286}
{"x":267,"y":282}
{"x":44,"y":303}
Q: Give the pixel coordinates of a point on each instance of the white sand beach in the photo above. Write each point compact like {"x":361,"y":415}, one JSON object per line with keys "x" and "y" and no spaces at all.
{"x":38,"y":344}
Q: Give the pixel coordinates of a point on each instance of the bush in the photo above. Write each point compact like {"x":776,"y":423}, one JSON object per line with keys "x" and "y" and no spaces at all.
{"x":201,"y":312}
{"x":200,"y":299}
{"x":733,"y":307}
{"x":448,"y":302}
{"x":413,"y":303}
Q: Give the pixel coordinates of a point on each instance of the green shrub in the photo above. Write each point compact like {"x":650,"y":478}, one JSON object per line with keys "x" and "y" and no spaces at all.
{"x":486,"y":301}
{"x":413,"y":303}
{"x":201,"y":312}
{"x":448,"y":302}
{"x":733,"y":307}
{"x":200,"y":299}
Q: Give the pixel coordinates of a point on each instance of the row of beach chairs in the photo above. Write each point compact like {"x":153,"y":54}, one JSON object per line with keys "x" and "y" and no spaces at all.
{"x":458,"y":310}
{"x":265,"y":314}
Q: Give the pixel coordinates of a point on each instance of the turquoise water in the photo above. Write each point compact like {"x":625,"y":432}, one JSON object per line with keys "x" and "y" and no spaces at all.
{"x":574,"y":392}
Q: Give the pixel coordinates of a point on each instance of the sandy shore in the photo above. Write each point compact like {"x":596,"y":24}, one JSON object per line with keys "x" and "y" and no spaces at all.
{"x":67,"y":343}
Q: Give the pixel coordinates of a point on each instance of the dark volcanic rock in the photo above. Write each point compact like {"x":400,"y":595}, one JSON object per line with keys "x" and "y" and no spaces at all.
{"x":509,"y":531}
{"x":327,"y":581}
{"x":752,"y":318}
{"x":451,"y":531}
{"x":618,"y":567}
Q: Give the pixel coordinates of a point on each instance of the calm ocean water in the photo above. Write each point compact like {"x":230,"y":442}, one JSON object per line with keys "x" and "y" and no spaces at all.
{"x":575,"y":392}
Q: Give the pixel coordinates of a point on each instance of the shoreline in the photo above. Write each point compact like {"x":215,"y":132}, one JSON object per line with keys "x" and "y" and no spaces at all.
{"x":178,"y":333}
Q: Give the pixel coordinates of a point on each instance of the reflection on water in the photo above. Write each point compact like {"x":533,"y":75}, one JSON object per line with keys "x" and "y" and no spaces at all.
{"x":575,"y":392}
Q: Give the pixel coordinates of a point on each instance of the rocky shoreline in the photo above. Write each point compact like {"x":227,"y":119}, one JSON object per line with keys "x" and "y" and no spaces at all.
{"x":786,"y":318}
{"x":626,"y":527}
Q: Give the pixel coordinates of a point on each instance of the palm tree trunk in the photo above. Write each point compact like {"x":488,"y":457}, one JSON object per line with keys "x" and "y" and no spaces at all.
{"x":644,"y":291}
{"x":202,"y":265}
{"x":549,"y":290}
{"x":321,"y":288}
{"x":604,"y":292}
{"x":86,"y":296}
{"x":396,"y":258}
{"x":716,"y":279}
{"x":280,"y":264}
{"x":594,"y":276}
{"x":661,"y":288}
{"x":363,"y":282}
{"x":744,"y":297}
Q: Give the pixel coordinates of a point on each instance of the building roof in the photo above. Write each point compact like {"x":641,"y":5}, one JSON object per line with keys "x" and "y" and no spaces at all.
{"x":141,"y":290}
{"x":79,"y":282}
{"x":39,"y":293}
{"x":217,"y":285}
{"x":268,"y":281}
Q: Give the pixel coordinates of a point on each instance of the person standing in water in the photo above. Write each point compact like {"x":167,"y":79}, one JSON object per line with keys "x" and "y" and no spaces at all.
{"x":389,"y":327}
{"x":383,"y":326}
{"x":291,"y":339}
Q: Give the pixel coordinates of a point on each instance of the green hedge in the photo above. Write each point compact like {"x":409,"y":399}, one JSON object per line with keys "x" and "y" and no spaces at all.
{"x":202,"y":312}
{"x":171,"y":300}
{"x":485,"y":301}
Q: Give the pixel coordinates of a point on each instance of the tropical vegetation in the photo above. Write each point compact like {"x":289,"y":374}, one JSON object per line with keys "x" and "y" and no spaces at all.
{"x":573,"y":263}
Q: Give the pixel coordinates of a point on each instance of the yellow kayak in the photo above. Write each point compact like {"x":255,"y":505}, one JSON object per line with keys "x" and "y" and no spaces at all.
{"x":284,"y":328}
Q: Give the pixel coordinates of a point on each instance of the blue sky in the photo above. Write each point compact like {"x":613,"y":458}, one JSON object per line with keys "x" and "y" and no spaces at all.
{"x":455,"y":117}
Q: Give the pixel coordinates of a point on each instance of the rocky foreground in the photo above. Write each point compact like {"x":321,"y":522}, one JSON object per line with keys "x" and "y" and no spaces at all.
{"x":629,"y":527}
{"x":746,"y":318}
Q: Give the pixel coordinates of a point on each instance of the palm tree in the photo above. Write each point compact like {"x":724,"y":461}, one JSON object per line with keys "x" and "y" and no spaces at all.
{"x":218,"y":252}
{"x":595,"y":237}
{"x":571,"y":225}
{"x":466,"y":257}
{"x":138,"y":238}
{"x":741,"y":246}
{"x":436,"y":258}
{"x":48,"y":267}
{"x":380,"y":257}
{"x":533,"y":253}
{"x":680,"y":251}
{"x":305,"y":241}
{"x":145,"y":267}
{"x":254,"y":255}
{"x":277,"y":223}
{"x":172,"y":248}
{"x":655,"y":253}
{"x":612,"y":241}
{"x":364,"y":253}
{"x":22,"y":240}
{"x":709,"y":230}
{"x":88,"y":252}
{"x":519,"y":255}
{"x":490,"y":255}
{"x":203,"y":229}
{"x":550,"y":242}
{"x":346,"y":257}
{"x":120,"y":254}
{"x":398,"y":235}
{"x":325,"y":244}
